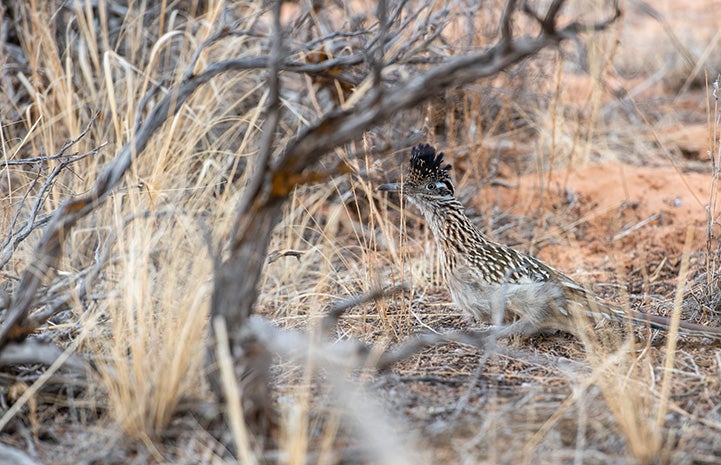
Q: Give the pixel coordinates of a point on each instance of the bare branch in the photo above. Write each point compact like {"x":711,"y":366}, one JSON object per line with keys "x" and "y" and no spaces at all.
{"x":14,"y":239}
{"x":377,"y":55}
{"x":276,"y":254}
{"x":339,"y":308}
{"x":414,"y":345}
{"x":350,"y":355}
{"x":549,"y":22}
{"x":549,"y":28}
{"x":219,"y":35}
{"x":36,"y":351}
{"x":507,"y":26}
{"x":272,"y":112}
{"x":48,"y":248}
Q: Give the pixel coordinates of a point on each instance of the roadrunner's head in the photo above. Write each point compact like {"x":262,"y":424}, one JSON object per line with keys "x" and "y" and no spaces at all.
{"x":428,"y":182}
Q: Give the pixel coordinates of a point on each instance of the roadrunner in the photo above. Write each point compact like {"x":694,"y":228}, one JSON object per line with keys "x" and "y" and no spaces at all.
{"x":497,"y":284}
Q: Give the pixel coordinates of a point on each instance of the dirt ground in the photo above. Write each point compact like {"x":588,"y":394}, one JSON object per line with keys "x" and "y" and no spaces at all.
{"x":627,"y":213}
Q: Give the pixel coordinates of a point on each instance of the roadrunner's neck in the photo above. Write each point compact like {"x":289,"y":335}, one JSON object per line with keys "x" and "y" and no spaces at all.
{"x":451,"y":227}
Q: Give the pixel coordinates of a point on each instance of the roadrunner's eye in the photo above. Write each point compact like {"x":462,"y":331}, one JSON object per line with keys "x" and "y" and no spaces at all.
{"x":442,"y":187}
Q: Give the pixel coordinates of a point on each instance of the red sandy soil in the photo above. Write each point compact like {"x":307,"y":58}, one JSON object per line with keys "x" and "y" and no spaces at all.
{"x":627,"y":215}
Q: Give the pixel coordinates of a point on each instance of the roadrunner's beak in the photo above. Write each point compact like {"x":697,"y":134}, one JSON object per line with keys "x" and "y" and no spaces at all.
{"x":392,"y":187}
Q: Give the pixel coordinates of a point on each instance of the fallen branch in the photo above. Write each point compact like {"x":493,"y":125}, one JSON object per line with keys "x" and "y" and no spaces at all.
{"x":38,"y":351}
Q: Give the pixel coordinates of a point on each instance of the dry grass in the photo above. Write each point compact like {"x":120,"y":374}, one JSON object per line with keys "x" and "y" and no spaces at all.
{"x":145,"y":319}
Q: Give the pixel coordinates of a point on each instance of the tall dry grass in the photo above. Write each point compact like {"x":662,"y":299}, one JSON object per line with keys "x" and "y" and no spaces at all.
{"x":147,"y":317}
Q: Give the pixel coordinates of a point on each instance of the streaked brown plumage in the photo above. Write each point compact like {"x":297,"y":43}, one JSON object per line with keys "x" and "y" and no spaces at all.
{"x":486,"y":277}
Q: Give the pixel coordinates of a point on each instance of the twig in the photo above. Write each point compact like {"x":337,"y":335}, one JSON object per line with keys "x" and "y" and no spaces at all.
{"x":13,"y":240}
{"x":330,"y":320}
{"x":636,"y":226}
{"x":276,"y":254}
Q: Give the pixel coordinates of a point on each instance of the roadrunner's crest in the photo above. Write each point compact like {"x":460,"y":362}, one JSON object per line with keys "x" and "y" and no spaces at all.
{"x":427,"y":166}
